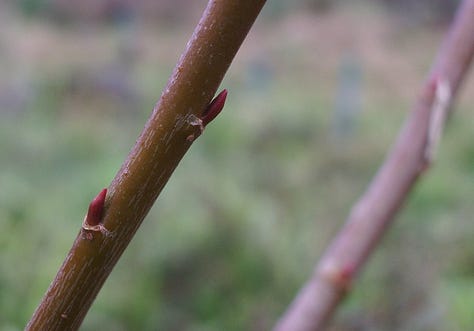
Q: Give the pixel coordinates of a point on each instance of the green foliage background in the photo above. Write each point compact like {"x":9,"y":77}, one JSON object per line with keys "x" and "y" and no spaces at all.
{"x":251,"y":207}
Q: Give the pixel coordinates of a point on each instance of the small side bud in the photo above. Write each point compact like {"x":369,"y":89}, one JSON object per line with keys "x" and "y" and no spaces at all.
{"x":214,"y":108}
{"x":338,"y":276}
{"x":96,"y":209}
{"x":211,"y":111}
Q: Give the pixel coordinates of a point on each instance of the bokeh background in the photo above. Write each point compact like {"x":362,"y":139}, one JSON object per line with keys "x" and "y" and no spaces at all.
{"x":317,"y":94}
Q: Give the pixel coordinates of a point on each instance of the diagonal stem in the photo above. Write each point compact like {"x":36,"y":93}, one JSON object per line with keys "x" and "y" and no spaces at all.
{"x":375,"y":211}
{"x":160,"y":147}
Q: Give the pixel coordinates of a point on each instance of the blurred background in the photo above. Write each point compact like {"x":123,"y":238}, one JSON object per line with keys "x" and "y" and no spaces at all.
{"x":317,"y":94}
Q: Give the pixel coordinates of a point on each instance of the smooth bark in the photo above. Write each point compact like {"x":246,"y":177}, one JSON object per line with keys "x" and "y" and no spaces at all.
{"x":410,"y":157}
{"x":173,"y":125}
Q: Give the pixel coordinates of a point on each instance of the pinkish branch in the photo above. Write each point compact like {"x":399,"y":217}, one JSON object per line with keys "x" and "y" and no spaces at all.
{"x":411,"y":155}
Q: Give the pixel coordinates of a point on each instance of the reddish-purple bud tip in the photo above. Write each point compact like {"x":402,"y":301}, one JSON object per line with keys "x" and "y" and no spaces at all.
{"x":214,"y":108}
{"x":96,"y":209}
{"x":347,"y":273}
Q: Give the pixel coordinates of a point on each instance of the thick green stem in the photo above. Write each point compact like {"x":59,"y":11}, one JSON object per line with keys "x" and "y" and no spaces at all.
{"x":162,"y":144}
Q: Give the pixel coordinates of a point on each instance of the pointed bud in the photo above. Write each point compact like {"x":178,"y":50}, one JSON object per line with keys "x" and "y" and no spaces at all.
{"x":214,"y":108}
{"x":96,"y":209}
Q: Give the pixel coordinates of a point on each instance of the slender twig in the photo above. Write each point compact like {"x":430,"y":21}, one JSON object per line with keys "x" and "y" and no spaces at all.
{"x":411,"y":155}
{"x":178,"y":118}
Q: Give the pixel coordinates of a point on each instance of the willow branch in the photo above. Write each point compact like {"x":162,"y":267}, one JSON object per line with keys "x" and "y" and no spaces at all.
{"x":409,"y":158}
{"x":178,"y":118}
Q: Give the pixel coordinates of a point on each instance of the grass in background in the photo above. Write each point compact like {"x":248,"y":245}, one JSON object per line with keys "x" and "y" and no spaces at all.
{"x":247,"y":213}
